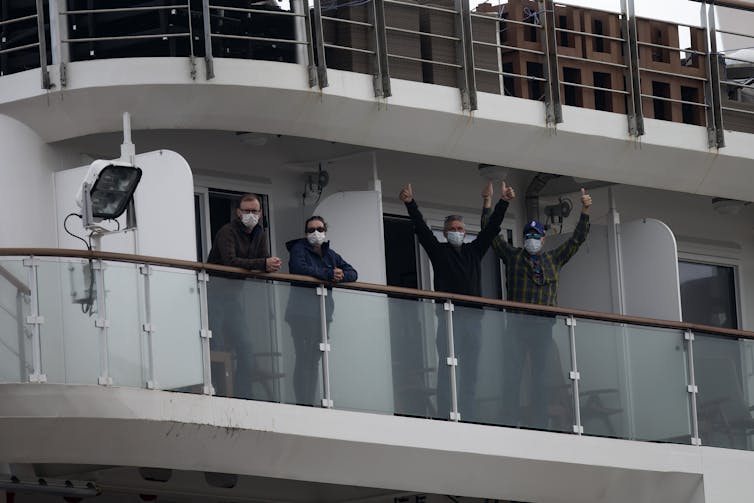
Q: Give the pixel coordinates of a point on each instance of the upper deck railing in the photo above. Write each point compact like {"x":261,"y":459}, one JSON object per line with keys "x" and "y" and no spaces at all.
{"x":81,"y":317}
{"x":561,"y":54}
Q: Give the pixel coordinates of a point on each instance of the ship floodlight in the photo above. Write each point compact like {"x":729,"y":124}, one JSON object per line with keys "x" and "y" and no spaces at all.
{"x":107,"y":189}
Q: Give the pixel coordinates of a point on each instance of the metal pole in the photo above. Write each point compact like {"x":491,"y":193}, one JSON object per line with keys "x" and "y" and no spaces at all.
{"x":467,"y":43}
{"x":208,"y":41}
{"x":692,"y":388}
{"x":311,"y":67}
{"x":147,"y":327}
{"x":575,"y":376}
{"x":553,"y":108}
{"x":192,"y":59}
{"x":34,"y":320}
{"x":718,"y":141}
{"x":58,"y":33}
{"x":102,"y":323}
{"x":324,"y":347}
{"x":633,"y":80}
{"x":319,"y":34}
{"x":452,"y":362}
{"x":42,"y":44}
{"x":202,"y":279}
{"x":383,"y":62}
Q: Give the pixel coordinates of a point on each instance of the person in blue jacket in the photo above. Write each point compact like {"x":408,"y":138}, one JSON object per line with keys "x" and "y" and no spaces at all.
{"x":311,"y":256}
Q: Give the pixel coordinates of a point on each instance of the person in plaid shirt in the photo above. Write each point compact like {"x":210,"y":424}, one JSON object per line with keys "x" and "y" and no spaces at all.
{"x":531,"y":276}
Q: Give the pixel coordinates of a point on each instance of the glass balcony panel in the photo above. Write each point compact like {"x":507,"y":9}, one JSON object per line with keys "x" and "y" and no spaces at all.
{"x":254,"y":354}
{"x":124,"y":335}
{"x":15,"y":342}
{"x":513,"y":369}
{"x":633,"y":382}
{"x":383,"y":354}
{"x":176,"y":341}
{"x":724,"y":374}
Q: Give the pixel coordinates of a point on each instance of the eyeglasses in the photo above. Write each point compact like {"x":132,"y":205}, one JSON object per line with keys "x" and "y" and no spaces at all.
{"x":315,"y":229}
{"x":246,"y":212}
{"x":533,"y":235}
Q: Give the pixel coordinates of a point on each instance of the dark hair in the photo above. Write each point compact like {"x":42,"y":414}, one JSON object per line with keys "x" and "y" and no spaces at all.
{"x":451,"y":218}
{"x":313,"y":218}
{"x":249,"y":197}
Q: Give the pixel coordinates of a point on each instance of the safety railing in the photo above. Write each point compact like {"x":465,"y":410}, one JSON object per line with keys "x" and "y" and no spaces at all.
{"x":24,"y":38}
{"x":15,"y":339}
{"x":146,"y":322}
{"x":536,"y":49}
{"x":736,"y":83}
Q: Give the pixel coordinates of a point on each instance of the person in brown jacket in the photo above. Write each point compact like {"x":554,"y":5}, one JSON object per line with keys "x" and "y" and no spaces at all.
{"x":242,"y":242}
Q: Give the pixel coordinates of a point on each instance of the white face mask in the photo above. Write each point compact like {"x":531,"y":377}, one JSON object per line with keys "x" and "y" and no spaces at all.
{"x":316,"y":238}
{"x":533,"y":246}
{"x":455,"y":238}
{"x":249,"y":219}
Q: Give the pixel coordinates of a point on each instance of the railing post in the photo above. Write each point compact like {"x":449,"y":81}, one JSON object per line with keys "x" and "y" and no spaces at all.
{"x":633,"y":77}
{"x":692,"y":387}
{"x":452,"y":363}
{"x":202,"y":279}
{"x":382,"y":65}
{"x":58,"y":33}
{"x":310,"y":66}
{"x":146,"y":272}
{"x":210,"y":63}
{"x":553,"y":108}
{"x":42,"y":44}
{"x":324,"y":347}
{"x":716,"y":133}
{"x":35,"y":321}
{"x":467,"y":44}
{"x":575,"y":376}
{"x":102,"y":323}
{"x":320,"y":41}
{"x":192,"y":58}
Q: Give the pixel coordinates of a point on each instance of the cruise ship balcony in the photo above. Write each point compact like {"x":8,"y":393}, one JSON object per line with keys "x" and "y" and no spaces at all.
{"x":133,"y":370}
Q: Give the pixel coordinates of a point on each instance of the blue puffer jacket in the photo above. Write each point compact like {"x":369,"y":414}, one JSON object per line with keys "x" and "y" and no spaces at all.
{"x":303,"y":304}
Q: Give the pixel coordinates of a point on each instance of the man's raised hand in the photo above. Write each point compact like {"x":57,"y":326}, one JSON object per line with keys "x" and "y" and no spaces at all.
{"x":407,"y":194}
{"x":507,"y":193}
{"x":586,"y":201}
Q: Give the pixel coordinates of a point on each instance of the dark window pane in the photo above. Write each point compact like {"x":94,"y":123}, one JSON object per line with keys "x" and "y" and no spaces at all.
{"x":708,"y":294}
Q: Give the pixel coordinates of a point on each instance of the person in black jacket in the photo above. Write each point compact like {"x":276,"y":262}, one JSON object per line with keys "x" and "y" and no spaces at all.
{"x":311,"y":256}
{"x":457,"y":269}
{"x":242,"y":242}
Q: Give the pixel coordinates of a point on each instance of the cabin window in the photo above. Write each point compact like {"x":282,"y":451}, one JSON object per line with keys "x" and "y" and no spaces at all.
{"x":708,"y":294}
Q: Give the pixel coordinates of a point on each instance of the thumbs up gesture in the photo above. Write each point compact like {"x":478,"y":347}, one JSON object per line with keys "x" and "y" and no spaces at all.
{"x":586,"y":201}
{"x":407,"y":194}
{"x":507,"y":193}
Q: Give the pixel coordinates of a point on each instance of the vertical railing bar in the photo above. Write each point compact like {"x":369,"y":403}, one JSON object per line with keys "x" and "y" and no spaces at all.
{"x":23,"y":369}
{"x":147,"y":327}
{"x":714,"y":76}
{"x":102,"y":323}
{"x":202,"y":279}
{"x":319,"y":35}
{"x":310,"y":66}
{"x":692,"y":388}
{"x":324,"y":347}
{"x":633,"y":65}
{"x":42,"y":44}
{"x":374,"y":46}
{"x":462,"y":74}
{"x":210,"y":63}
{"x":380,"y":29}
{"x":35,"y":320}
{"x":628,"y":71}
{"x":192,"y":56}
{"x":467,"y":42}
{"x":58,"y":32}
{"x":452,"y":362}
{"x":553,"y":108}
{"x":575,"y":376}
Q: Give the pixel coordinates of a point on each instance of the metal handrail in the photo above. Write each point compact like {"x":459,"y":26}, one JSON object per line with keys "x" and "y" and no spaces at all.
{"x":737,"y":84}
{"x":574,"y":84}
{"x":503,"y":46}
{"x":369,"y":287}
{"x":261,"y":39}
{"x":348,"y":21}
{"x":508,"y":74}
{"x":595,"y":35}
{"x":506,"y":21}
{"x":745,"y":35}
{"x":671,"y":22}
{"x":742,"y":110}
{"x":595,"y":61}
{"x":671,"y":74}
{"x":675,"y":49}
{"x":19,"y":48}
{"x":123,"y":9}
{"x":125,"y":37}
{"x":421,"y":60}
{"x":661,"y":98}
{"x":423,"y":33}
{"x":18,"y":19}
{"x":346,"y":48}
{"x":420,"y":6}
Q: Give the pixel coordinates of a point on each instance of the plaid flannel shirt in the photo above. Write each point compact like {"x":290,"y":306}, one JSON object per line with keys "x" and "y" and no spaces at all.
{"x":523,"y":283}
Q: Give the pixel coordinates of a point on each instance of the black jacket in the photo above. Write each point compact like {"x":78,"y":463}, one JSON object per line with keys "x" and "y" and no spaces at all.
{"x":235,"y":247}
{"x":457,"y":269}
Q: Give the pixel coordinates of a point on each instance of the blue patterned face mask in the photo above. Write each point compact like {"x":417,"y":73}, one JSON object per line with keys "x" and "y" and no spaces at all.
{"x":455,"y":238}
{"x":533,"y":246}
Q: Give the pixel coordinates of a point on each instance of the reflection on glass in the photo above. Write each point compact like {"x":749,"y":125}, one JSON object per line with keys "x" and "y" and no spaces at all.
{"x":15,"y":348}
{"x":519,"y":369}
{"x":633,"y":382}
{"x":708,"y":294}
{"x":723,"y":372}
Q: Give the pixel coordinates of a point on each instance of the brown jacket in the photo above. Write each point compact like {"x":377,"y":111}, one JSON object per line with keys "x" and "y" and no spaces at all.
{"x":235,"y":247}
